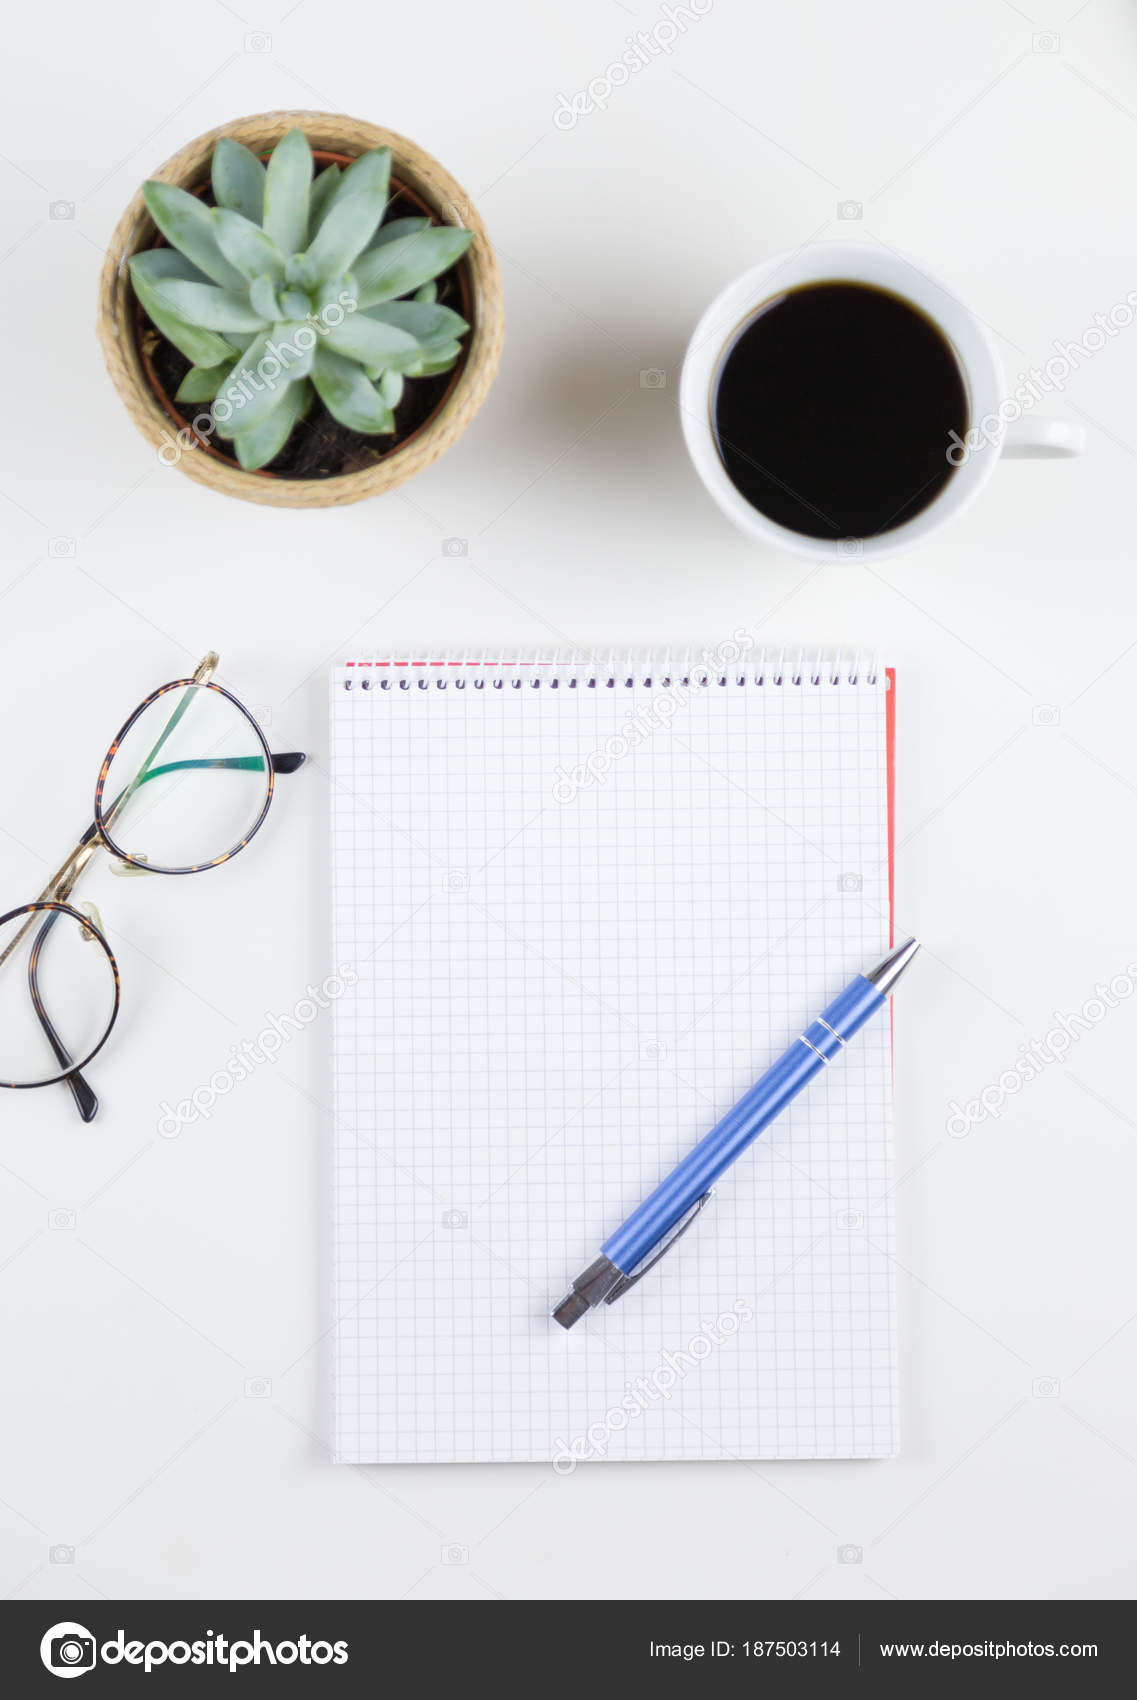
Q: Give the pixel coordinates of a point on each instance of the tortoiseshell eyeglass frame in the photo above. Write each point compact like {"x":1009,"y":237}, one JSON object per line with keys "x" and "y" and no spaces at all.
{"x":53,"y":900}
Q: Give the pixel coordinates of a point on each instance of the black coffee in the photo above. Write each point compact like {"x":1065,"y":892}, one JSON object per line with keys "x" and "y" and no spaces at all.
{"x":833,"y":409}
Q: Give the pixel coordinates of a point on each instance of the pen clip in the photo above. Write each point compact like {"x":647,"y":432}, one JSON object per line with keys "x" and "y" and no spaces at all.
{"x":628,"y":1281}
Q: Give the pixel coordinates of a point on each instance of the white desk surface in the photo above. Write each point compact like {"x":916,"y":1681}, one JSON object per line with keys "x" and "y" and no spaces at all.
{"x":197,"y":1267}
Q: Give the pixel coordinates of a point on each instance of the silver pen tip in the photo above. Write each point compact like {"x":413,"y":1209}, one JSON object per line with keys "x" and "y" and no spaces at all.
{"x":889,"y":969}
{"x":589,"y":1289}
{"x":571,"y":1308}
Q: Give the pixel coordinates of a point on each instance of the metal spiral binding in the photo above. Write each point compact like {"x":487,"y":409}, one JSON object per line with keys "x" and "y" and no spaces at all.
{"x":666,"y":671}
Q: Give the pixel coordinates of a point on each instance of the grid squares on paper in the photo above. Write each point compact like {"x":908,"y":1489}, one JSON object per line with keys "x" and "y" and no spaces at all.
{"x":582,"y":927}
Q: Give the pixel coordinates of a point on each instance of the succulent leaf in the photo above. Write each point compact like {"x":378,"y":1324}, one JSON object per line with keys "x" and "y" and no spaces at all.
{"x":397,"y":227}
{"x":184,"y":222}
{"x":202,"y":347}
{"x":165,"y":262}
{"x":369,"y":174}
{"x":336,"y":291}
{"x":287,"y":183}
{"x":264,"y":299}
{"x":238,"y":179}
{"x":391,"y":387}
{"x":300,"y":272}
{"x":348,"y":396}
{"x":319,"y":196}
{"x":424,"y":362}
{"x":366,"y":340}
{"x":256,"y":447}
{"x":402,"y":265}
{"x":248,"y":397}
{"x":197,"y":345}
{"x":439,"y":360}
{"x":293,"y":356}
{"x":293,"y":304}
{"x":201,"y":383}
{"x":428,"y":292}
{"x":425,"y":321}
{"x":348,"y":227}
{"x":206,"y":305}
{"x":246,"y":246}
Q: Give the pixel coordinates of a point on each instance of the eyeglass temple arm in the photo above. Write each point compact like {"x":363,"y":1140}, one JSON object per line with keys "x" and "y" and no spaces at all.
{"x":286,"y":762}
{"x":86,"y":1102}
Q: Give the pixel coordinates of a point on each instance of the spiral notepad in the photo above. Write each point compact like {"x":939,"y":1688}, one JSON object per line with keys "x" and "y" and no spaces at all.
{"x":587,"y":901}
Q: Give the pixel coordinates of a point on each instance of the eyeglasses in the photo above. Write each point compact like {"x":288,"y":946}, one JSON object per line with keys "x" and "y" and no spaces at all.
{"x":183,"y":787}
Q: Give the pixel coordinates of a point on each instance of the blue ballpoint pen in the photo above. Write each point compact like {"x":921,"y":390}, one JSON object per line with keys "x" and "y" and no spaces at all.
{"x":688,"y":1186}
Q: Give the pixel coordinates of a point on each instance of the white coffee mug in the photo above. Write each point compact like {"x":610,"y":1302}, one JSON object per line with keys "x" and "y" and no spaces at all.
{"x":998,"y":422}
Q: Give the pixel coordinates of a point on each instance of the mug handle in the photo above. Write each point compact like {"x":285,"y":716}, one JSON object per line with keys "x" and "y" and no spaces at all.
{"x":1043,"y":439}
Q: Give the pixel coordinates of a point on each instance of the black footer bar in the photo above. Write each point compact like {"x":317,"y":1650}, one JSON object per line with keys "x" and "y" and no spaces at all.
{"x":827,"y":1647}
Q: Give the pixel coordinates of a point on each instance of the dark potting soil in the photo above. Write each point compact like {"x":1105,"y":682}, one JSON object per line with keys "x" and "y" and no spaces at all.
{"x":319,"y":446}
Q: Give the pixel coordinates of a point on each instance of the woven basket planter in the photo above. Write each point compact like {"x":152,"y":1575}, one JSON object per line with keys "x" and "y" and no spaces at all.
{"x":412,"y":170}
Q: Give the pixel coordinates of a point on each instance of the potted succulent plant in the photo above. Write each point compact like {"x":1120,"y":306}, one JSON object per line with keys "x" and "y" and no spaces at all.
{"x":301,"y":310}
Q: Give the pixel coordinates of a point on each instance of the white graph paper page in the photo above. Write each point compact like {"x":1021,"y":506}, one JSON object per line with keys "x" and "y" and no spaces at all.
{"x":584,"y":919}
